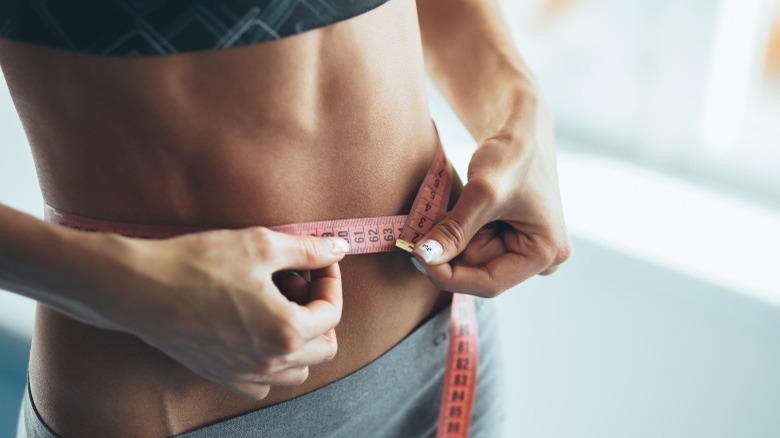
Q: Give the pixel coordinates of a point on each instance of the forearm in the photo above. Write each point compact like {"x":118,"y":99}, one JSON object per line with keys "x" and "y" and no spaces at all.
{"x":65,"y":269}
{"x":470,"y":56}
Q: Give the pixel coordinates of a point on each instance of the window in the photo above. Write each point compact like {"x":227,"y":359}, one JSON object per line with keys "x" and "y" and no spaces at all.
{"x":688,"y":87}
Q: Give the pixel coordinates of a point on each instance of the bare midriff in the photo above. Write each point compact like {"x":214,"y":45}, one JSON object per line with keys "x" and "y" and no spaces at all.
{"x":327,"y":124}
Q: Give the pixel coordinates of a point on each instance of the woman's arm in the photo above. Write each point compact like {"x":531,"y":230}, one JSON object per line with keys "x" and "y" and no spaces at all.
{"x":512,"y":176}
{"x":57,"y":266}
{"x":470,"y":56}
{"x":207,"y":299}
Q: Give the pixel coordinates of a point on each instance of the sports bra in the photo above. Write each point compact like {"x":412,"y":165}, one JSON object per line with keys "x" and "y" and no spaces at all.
{"x":161,"y":27}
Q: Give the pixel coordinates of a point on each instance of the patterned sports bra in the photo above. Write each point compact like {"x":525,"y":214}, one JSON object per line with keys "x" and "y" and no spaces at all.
{"x":161,"y":27}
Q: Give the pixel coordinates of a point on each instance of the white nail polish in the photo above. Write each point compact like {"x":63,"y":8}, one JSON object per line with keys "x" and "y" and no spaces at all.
{"x":340,"y":246}
{"x":418,"y":266}
{"x":430,"y":250}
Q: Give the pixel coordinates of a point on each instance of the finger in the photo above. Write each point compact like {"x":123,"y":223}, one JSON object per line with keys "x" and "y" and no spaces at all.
{"x":314,"y":352}
{"x":295,"y":287}
{"x":287,"y":377}
{"x":253,"y":390}
{"x":323,"y":311}
{"x":487,"y":281}
{"x":304,"y":252}
{"x":317,"y":351}
{"x":480,"y":252}
{"x":279,"y":277}
{"x":477,"y":253}
{"x":449,"y":237}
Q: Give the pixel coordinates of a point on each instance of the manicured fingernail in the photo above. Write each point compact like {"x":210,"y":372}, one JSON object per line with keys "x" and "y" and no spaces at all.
{"x":340,"y":246}
{"x":418,"y":266}
{"x":430,"y":250}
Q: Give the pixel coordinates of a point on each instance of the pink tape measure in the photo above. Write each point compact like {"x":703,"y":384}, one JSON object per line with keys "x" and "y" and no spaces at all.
{"x":372,"y":235}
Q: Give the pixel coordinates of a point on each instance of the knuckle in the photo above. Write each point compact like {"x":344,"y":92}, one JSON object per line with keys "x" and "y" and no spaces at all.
{"x":261,"y":241}
{"x":332,"y":348}
{"x":565,"y":251}
{"x":547,"y":250}
{"x":485,"y":191}
{"x":261,"y":235}
{"x":287,"y":337}
{"x":310,"y":250}
{"x":255,"y":391}
{"x":260,"y":391}
{"x":548,"y":257}
{"x":557,"y":252}
{"x":264,"y":367}
{"x":263,"y":391}
{"x":494,"y":290}
{"x":489,"y":294}
{"x":301,"y":375}
{"x":451,"y":232}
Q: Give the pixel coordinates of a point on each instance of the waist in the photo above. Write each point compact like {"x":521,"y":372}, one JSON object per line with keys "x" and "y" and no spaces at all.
{"x":239,"y":182}
{"x":385,"y":298}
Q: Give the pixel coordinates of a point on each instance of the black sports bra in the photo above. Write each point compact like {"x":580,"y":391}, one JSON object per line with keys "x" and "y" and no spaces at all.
{"x":159,"y":27}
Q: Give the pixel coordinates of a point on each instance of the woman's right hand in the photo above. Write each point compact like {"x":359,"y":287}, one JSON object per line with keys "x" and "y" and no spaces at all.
{"x":208,"y":300}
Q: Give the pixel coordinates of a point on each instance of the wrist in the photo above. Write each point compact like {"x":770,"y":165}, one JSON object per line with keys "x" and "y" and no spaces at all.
{"x":520,"y":107}
{"x":48,"y":263}
{"x":119,"y":277}
{"x":503,"y":105}
{"x":81,"y":264}
{"x":92,"y":277}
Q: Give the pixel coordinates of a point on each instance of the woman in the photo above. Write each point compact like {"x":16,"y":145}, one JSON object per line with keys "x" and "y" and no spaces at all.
{"x":260,"y":114}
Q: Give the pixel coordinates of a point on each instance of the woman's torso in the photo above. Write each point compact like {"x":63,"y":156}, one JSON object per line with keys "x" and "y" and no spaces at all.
{"x":327,"y":124}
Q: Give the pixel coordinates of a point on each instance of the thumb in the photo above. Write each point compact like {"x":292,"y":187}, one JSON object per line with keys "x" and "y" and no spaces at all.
{"x":304,"y":252}
{"x":449,"y":237}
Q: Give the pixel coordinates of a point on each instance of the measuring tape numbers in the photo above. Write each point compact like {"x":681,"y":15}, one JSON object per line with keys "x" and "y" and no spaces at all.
{"x":373,"y":235}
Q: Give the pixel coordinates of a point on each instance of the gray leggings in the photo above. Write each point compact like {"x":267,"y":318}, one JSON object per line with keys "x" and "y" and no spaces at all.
{"x":396,"y":395}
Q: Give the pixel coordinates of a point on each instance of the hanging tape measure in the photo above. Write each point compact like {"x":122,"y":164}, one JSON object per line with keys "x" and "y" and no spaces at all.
{"x":373,"y":235}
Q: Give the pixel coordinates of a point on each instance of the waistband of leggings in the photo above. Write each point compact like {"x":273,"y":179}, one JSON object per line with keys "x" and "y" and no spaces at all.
{"x":432,"y":333}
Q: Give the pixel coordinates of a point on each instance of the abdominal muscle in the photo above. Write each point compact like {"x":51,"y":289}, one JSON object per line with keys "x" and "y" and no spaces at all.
{"x":328,"y":124}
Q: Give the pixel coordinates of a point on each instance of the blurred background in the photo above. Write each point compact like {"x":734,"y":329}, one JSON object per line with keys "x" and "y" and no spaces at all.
{"x":665,"y":322}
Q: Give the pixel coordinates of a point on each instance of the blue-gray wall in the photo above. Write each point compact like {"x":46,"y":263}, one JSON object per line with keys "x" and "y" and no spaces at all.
{"x":13,"y":369}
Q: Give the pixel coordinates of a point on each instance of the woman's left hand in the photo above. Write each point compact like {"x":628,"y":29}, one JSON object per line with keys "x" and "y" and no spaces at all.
{"x":512,"y":178}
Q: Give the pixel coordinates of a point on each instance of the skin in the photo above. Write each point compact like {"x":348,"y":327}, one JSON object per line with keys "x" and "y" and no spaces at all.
{"x":159,"y":337}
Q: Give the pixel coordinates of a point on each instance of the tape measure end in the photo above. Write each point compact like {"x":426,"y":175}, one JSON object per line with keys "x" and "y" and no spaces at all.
{"x":404,"y":245}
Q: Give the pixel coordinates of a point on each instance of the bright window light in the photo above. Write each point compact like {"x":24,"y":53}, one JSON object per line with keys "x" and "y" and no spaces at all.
{"x":738,"y":30}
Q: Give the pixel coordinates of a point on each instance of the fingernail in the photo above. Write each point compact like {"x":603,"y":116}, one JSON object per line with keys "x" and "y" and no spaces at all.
{"x":288,"y":273}
{"x":340,"y":246}
{"x":430,"y":250}
{"x":419,"y":266}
